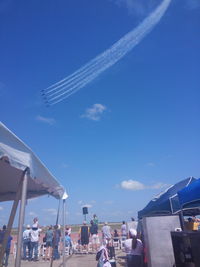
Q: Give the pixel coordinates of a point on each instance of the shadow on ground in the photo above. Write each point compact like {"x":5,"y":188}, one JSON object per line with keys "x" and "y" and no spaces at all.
{"x":121,"y":260}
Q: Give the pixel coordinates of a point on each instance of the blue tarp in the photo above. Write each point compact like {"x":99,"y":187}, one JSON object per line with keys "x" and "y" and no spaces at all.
{"x":189,"y":196}
{"x":167,"y":202}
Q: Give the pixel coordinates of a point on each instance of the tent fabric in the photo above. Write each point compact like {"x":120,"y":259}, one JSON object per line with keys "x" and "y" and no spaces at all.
{"x":15,"y":157}
{"x":166,"y":202}
{"x":189,"y":196}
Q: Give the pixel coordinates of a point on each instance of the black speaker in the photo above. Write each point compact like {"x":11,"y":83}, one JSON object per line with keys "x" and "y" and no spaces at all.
{"x":85,"y":210}
{"x":186,"y":248}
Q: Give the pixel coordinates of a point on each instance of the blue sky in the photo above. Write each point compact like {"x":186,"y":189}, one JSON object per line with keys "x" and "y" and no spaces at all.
{"x":125,"y":136}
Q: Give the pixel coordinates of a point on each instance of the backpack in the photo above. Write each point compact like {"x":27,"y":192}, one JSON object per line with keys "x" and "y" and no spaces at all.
{"x":98,"y":255}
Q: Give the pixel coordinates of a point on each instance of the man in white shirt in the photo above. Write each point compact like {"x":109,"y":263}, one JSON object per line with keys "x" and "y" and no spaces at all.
{"x":26,"y":242}
{"x":34,"y":236}
{"x":123,"y":231}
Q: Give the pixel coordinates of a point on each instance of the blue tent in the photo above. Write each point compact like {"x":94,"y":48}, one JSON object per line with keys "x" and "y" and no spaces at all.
{"x":166,"y":202}
{"x":189,"y":196}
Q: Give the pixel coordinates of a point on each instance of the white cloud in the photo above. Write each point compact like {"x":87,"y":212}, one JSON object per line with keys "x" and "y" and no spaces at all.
{"x":1,"y":208}
{"x":95,"y":112}
{"x":49,"y":121}
{"x":135,"y":185}
{"x":132,"y":185}
{"x":80,"y":202}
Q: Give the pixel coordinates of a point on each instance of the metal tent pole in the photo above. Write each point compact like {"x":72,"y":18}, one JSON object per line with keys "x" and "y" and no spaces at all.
{"x":64,"y":213}
{"x":11,"y":219}
{"x":21,"y":219}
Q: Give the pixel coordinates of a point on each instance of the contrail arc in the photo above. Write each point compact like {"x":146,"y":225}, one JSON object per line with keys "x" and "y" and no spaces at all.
{"x":80,"y":78}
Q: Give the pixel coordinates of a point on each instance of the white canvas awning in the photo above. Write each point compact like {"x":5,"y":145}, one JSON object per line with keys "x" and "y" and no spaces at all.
{"x":15,"y":157}
{"x":22,"y":176}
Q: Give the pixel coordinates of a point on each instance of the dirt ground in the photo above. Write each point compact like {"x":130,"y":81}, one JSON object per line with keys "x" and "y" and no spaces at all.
{"x":75,"y":260}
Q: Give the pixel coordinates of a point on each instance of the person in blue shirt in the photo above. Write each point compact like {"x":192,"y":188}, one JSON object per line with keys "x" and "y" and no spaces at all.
{"x":56,"y":240}
{"x":7,"y":250}
{"x":68,"y":241}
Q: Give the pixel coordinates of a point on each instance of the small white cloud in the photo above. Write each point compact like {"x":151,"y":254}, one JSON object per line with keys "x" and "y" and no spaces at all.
{"x":132,"y":185}
{"x":80,"y":202}
{"x":1,"y":208}
{"x":135,"y":185}
{"x":49,"y":121}
{"x":95,"y":112}
{"x":51,"y":211}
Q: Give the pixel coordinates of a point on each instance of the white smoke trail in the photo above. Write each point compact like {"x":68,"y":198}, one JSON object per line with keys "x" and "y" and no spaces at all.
{"x":80,"y":78}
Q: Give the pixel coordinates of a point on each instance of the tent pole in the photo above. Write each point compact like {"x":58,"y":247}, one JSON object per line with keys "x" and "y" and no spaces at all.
{"x":181,"y":217}
{"x":21,"y":219}
{"x":64,"y":212}
{"x":10,"y":221}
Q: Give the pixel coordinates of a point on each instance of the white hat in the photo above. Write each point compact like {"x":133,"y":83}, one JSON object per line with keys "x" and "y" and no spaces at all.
{"x":28,"y":226}
{"x":133,"y":232}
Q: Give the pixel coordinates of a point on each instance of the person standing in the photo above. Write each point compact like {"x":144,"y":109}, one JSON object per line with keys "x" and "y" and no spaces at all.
{"x":35,"y":223}
{"x":134,"y":249}
{"x":94,"y":235}
{"x":95,"y":220}
{"x":34,"y":238}
{"x":49,"y":243}
{"x":68,"y":230}
{"x":106,"y":233}
{"x":84,"y":236}
{"x":56,"y":241}
{"x":8,"y":245}
{"x":115,"y":236}
{"x":123,"y":231}
{"x":26,"y":242}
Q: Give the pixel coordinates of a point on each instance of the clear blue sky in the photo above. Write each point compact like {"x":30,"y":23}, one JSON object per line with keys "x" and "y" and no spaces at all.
{"x":147,"y":134}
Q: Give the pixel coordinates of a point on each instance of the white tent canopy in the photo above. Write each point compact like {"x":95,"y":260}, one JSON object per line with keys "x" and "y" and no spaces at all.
{"x":16,"y":157}
{"x":22,"y":176}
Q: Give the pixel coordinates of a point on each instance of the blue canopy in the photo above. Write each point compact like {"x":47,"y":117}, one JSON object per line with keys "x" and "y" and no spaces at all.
{"x":166,"y":202}
{"x":189,"y":196}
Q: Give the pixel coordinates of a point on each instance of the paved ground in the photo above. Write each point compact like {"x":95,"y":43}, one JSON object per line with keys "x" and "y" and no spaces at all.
{"x":76,"y":260}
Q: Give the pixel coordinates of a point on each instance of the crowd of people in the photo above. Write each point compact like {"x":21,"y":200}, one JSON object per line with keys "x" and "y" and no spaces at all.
{"x":100,"y":240}
{"x":51,"y":240}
